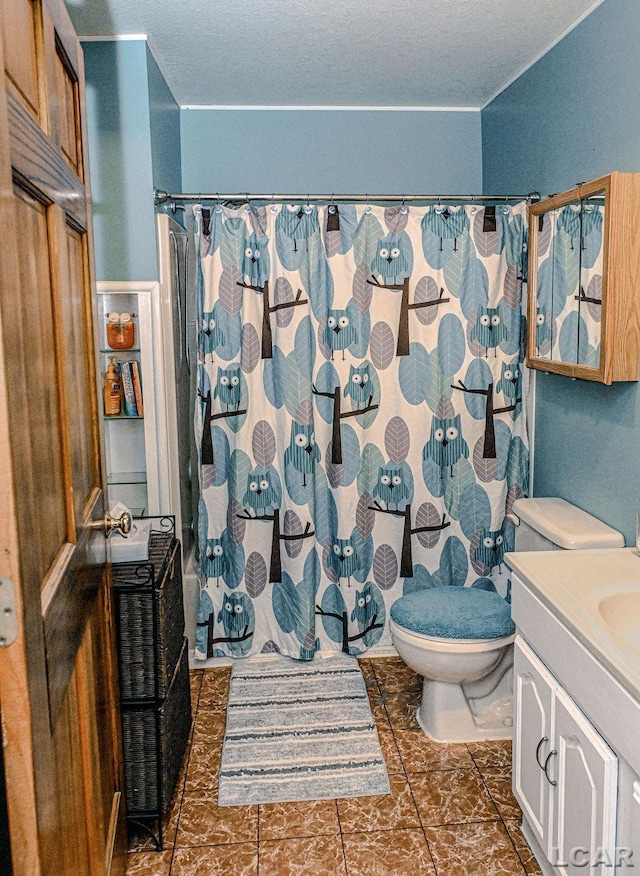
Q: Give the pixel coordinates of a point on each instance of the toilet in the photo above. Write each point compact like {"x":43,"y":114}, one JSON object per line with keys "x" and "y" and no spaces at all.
{"x":459,"y":638}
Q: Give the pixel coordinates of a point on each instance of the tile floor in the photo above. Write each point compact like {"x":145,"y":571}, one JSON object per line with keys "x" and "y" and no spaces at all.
{"x":450,"y":811}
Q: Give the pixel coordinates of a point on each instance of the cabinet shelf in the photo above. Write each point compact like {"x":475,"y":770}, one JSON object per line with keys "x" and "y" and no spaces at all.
{"x":121,"y":417}
{"x":127,"y":477}
{"x":113,"y":352}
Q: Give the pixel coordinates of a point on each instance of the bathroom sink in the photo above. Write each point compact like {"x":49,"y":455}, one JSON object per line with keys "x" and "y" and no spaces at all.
{"x":621,"y":611}
{"x":596,"y":593}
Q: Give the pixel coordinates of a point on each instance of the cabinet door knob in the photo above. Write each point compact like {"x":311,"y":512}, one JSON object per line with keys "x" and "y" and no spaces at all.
{"x":538,"y":747}
{"x":546,"y":767}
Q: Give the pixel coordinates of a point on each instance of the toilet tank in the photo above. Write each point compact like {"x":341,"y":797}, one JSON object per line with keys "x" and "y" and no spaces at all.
{"x":553,"y":524}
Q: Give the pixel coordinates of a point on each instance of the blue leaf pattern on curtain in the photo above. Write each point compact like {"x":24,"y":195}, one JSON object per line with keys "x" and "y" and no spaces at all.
{"x":360,"y":420}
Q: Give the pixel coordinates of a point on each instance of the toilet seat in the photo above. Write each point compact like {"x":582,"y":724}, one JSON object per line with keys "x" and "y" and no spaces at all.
{"x":454,"y":614}
{"x":443,"y":646}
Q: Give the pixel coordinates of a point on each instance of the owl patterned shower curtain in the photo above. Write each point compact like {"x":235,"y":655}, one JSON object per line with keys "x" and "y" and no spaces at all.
{"x":360,"y":416}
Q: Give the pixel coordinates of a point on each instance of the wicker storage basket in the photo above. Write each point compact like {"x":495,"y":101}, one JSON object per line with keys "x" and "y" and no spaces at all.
{"x":153,"y":751}
{"x":149,"y":609}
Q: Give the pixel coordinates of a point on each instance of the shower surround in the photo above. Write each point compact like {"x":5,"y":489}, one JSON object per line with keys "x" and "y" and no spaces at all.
{"x":360,"y":416}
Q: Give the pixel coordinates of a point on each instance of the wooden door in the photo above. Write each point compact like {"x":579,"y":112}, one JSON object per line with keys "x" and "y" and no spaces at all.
{"x":57,"y":680}
{"x":532,"y":720}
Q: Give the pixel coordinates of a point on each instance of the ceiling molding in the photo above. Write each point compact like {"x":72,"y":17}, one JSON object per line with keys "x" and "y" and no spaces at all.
{"x":544,"y":52}
{"x":340,"y":108}
{"x":115,"y":38}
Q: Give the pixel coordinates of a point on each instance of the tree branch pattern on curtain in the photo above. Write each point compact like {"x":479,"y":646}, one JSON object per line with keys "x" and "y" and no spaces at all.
{"x":360,"y":417}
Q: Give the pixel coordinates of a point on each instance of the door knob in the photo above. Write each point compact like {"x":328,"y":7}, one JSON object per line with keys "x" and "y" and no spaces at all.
{"x":110,"y":524}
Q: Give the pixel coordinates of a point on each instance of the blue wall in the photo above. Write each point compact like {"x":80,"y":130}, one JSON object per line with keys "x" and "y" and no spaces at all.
{"x":120,"y":159}
{"x":134,"y":145}
{"x":164,"y":126}
{"x":331,"y":151}
{"x":573,"y":116}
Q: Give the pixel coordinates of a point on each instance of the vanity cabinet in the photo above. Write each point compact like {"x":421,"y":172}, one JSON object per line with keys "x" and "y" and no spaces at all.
{"x":576,"y":758}
{"x":565,"y":775}
{"x":584,"y":279}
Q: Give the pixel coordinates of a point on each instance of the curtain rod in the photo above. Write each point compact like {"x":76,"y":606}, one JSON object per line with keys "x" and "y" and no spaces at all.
{"x":161,"y":197}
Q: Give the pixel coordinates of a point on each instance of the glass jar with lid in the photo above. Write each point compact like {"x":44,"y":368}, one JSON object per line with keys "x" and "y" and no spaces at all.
{"x":121,"y":330}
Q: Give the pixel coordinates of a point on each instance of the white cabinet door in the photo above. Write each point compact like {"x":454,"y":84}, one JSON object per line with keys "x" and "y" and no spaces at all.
{"x":583,"y":802}
{"x":632,"y":819}
{"x":533,"y":705}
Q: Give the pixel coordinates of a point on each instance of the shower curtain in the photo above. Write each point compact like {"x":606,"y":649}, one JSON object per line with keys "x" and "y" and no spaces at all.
{"x":360,"y":416}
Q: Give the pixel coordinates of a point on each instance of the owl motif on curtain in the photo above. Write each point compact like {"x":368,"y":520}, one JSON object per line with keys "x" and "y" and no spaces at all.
{"x":228,"y":387}
{"x":364,"y":608}
{"x":234,"y":615}
{"x":302,"y":453}
{"x":254,"y":263}
{"x":344,"y":558}
{"x":446,"y":444}
{"x":358,"y":386}
{"x":490,"y":552}
{"x":489,"y":329}
{"x":510,"y":383}
{"x":391,"y":487}
{"x":262,"y":495}
{"x":339,"y":333}
{"x":211,"y":336}
{"x":214,"y":562}
{"x":390,"y":266}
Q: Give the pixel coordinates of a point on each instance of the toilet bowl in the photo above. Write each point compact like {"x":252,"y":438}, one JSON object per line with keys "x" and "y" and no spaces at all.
{"x":458,"y":639}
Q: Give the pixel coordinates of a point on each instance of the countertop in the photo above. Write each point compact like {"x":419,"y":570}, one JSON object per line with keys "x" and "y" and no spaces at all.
{"x":573,"y":584}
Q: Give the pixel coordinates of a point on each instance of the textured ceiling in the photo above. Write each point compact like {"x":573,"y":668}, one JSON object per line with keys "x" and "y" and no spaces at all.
{"x":420,"y":53}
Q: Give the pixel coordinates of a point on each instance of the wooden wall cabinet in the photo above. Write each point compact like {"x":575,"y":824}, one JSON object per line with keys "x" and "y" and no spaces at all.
{"x":584,"y":281}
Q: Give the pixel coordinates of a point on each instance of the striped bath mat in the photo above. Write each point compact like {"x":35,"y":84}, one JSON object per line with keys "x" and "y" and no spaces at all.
{"x":299,"y":731}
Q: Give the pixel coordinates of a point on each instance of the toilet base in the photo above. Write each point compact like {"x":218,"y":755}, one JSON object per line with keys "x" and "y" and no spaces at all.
{"x":445,"y":715}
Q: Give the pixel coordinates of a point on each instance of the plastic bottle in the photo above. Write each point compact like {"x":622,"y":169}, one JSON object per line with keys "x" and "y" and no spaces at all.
{"x":112,"y":394}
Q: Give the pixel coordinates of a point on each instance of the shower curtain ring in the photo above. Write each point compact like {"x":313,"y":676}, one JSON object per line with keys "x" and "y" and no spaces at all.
{"x":439,"y":208}
{"x":308,"y":209}
{"x":367,"y":209}
{"x":403,"y":208}
{"x":332,"y":206}
{"x":274,"y":209}
{"x":474,"y":208}
{"x":218,"y":204}
{"x":247,"y":209}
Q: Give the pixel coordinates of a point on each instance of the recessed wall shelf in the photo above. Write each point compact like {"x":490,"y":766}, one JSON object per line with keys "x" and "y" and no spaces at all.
{"x":134,"y":439}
